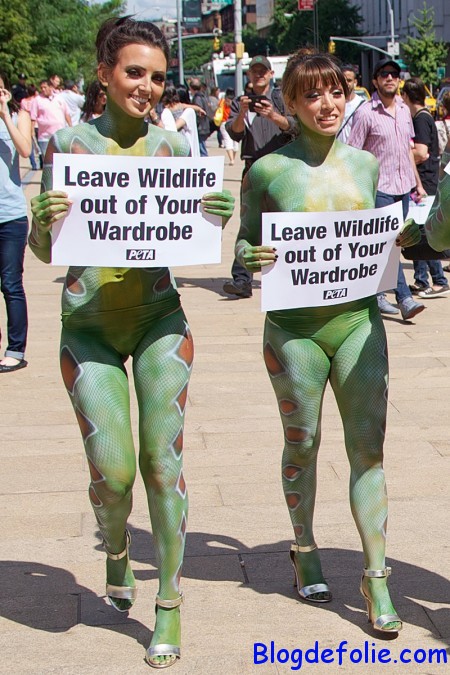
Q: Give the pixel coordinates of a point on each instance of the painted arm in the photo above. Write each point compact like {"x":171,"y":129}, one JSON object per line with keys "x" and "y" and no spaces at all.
{"x":49,"y":207}
{"x":248,"y":250}
{"x":437,"y":227}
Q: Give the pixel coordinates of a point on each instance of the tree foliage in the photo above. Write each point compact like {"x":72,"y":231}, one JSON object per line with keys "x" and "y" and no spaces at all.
{"x":424,"y":54}
{"x":52,"y":36}
{"x":196,"y":52}
{"x":293,"y":29}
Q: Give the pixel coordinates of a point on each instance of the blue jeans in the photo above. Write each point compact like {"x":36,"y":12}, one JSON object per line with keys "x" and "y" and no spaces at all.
{"x":13,"y":239}
{"x":382,"y":199}
{"x":43,"y":147}
{"x":421,"y":273}
{"x":203,"y":150}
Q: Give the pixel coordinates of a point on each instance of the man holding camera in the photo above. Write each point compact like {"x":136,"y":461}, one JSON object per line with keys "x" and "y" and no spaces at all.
{"x":260,"y":121}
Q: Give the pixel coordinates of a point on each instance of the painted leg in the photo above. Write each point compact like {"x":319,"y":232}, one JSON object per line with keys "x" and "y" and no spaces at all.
{"x":298,"y":370}
{"x":162,"y":368}
{"x":359,"y":378}
{"x":98,"y":388}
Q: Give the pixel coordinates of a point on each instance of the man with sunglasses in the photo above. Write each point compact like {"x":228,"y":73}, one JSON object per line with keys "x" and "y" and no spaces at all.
{"x":383,"y":126}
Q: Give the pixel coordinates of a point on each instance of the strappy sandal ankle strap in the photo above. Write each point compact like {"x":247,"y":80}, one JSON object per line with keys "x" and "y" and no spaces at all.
{"x":169,"y":604}
{"x":377,"y":574}
{"x":303,"y":549}
{"x":122,"y":554}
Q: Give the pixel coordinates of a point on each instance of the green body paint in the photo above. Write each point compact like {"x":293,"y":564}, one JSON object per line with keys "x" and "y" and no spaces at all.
{"x":109,"y":314}
{"x":306,"y":348}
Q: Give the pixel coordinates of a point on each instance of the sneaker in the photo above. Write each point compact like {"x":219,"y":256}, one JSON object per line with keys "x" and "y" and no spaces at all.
{"x":385,"y":306}
{"x":242,"y":290}
{"x":417,"y":288}
{"x":410,"y":308}
{"x":433,"y":293}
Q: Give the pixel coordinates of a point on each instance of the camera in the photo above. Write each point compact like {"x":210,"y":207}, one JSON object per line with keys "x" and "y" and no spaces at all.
{"x":255,"y":98}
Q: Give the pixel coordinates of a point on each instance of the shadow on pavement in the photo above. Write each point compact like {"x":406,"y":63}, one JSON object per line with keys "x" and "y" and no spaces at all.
{"x":50,"y":599}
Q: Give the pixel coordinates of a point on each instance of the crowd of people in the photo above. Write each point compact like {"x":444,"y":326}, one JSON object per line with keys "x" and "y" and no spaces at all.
{"x":292,"y":163}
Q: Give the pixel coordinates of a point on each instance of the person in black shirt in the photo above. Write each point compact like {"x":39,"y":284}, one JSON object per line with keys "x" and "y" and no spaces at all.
{"x":20,"y":90}
{"x":426,"y":155}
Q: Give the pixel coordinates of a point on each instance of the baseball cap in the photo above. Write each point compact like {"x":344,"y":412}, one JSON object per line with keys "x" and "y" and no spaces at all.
{"x":22,"y":76}
{"x":260,"y":60}
{"x":382,"y":63}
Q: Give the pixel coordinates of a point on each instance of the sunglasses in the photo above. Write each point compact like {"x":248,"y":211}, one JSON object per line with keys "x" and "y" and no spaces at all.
{"x":386,"y":73}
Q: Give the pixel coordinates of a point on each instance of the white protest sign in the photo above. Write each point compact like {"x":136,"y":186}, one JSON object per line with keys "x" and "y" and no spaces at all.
{"x":420,"y":211}
{"x":330,"y":257}
{"x":136,"y":211}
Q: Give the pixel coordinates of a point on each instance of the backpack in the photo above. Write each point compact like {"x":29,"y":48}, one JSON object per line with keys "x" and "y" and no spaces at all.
{"x":443,"y":134}
{"x":203,"y":125}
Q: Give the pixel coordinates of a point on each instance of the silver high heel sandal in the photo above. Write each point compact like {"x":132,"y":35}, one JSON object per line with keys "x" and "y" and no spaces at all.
{"x":164,"y":649}
{"x":379,"y":622}
{"x":306,"y":592}
{"x":120,"y":592}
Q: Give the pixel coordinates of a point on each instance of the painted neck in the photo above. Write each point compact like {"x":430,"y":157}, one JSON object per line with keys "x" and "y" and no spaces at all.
{"x":314,"y":147}
{"x":121,"y":127}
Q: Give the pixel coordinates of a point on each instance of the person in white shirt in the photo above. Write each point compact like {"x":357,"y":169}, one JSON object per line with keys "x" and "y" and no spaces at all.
{"x":352,"y":103}
{"x":73,"y":100}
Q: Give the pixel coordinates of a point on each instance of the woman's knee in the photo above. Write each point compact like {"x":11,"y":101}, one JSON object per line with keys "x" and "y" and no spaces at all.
{"x":301,"y":446}
{"x":160,"y":473}
{"x":111,"y":491}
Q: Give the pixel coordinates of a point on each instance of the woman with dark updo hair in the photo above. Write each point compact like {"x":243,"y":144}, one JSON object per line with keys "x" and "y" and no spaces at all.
{"x":110,"y":314}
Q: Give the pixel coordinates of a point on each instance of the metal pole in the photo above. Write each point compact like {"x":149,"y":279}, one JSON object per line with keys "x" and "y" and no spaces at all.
{"x":316,"y":24}
{"x":391,"y":18}
{"x":180,"y":44}
{"x":239,"y":76}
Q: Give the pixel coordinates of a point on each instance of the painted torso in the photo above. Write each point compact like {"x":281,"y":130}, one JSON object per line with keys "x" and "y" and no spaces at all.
{"x":283,"y":181}
{"x":95,"y":289}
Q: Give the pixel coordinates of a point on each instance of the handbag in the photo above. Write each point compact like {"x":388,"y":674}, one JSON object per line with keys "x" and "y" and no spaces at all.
{"x":218,"y":115}
{"x":423,"y":251}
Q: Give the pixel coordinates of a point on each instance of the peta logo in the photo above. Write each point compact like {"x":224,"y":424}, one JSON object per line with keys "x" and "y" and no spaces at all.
{"x":140,"y":253}
{"x":335,"y":293}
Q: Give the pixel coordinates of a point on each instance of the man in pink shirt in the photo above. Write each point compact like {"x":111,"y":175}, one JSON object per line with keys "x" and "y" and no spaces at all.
{"x":383,"y":126}
{"x":50,"y":114}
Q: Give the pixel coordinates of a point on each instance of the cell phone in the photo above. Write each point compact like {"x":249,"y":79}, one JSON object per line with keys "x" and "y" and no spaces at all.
{"x":255,"y":98}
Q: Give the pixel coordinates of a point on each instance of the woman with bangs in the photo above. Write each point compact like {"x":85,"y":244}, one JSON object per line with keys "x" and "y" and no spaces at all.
{"x":344,"y":344}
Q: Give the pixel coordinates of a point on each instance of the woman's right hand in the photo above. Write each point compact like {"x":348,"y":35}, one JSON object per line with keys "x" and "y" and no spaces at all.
{"x":49,"y":207}
{"x":255,"y":257}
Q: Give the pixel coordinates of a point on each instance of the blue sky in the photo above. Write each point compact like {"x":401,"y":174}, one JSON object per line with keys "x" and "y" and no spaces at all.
{"x":154,"y":9}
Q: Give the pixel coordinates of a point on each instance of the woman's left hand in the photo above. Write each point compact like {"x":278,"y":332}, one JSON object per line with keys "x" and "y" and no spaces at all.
{"x":410,"y":234}
{"x":5,"y":97}
{"x":219,"y":204}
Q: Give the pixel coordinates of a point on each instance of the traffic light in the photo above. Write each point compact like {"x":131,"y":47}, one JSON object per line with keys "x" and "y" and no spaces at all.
{"x":216,"y":43}
{"x":331,"y":47}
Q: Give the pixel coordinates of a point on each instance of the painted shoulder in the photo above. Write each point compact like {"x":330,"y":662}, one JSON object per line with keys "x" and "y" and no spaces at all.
{"x":359,"y":157}
{"x":266,"y":168}
{"x":85,"y":138}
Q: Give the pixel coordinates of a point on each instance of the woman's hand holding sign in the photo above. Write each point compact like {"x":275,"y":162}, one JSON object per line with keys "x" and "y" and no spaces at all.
{"x":255,"y":257}
{"x":409,"y":235}
{"x":49,"y":207}
{"x":219,"y":204}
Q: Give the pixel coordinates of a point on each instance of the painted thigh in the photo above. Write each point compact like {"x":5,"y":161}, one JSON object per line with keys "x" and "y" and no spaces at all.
{"x":162,"y":366}
{"x":97,"y":384}
{"x":298,"y":370}
{"x":359,"y":377}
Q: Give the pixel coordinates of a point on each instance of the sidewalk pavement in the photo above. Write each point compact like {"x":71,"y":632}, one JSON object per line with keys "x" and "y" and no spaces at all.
{"x":237,"y":575}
